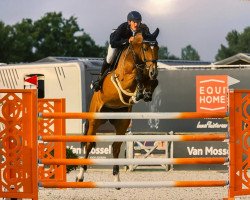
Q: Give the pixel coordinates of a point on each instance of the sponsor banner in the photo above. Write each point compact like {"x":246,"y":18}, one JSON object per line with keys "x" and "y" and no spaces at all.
{"x":211,"y":93}
{"x":200,"y":149}
{"x":178,"y":91}
{"x":102,"y":150}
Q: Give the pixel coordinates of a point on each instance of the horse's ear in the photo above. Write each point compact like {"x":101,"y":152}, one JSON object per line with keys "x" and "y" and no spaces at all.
{"x":156,"y":33}
{"x":152,"y":36}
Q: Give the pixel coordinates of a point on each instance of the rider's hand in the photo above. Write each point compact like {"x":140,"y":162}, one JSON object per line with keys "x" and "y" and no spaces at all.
{"x":131,"y":39}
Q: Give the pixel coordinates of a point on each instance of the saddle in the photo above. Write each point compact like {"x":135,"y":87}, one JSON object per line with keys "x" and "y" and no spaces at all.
{"x":98,"y":83}
{"x":113,"y":65}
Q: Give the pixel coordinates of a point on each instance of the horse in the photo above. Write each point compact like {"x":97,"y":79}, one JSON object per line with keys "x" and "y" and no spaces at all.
{"x":136,"y":72}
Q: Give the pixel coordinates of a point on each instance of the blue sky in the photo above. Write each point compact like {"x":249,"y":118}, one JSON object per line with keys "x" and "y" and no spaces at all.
{"x":202,"y":23}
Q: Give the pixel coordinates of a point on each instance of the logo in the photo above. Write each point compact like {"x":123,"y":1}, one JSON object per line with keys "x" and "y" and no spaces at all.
{"x":210,"y":124}
{"x":211,"y":93}
{"x":207,"y":151}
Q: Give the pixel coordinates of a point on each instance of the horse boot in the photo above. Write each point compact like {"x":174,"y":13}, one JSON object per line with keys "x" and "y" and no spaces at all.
{"x":104,"y":71}
{"x":139,"y":94}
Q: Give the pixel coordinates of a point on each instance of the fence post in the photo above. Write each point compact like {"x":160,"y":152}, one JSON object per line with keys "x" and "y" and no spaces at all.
{"x":18,"y":118}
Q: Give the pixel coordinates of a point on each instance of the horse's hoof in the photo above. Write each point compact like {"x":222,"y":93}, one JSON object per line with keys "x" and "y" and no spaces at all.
{"x":79,"y":179}
{"x":117,"y":188}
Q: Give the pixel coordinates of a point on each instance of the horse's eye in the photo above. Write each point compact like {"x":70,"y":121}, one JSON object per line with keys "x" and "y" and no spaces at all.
{"x":145,"y":49}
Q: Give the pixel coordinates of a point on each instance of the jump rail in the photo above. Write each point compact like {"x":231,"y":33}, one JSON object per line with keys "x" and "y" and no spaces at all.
{"x":148,"y":161}
{"x":134,"y":115}
{"x":127,"y":138}
{"x":217,"y":183}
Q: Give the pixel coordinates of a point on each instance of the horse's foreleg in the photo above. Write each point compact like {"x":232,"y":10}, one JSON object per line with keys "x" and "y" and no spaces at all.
{"x":149,"y":90}
{"x":83,"y":168}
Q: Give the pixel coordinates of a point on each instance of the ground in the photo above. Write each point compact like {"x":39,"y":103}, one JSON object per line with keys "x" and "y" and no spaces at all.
{"x":98,"y":175}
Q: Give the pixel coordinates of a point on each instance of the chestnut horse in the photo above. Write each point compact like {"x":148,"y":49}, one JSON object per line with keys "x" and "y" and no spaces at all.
{"x":136,"y":67}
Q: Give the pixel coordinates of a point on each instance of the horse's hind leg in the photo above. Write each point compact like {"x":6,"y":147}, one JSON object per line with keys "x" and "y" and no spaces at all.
{"x":116,"y":169}
{"x":121,"y":128}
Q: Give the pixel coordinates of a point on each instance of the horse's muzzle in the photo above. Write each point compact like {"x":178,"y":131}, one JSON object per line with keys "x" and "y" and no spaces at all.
{"x":153,"y":73}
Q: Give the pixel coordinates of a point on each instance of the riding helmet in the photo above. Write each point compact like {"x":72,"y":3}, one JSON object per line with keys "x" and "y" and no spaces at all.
{"x":134,"y":16}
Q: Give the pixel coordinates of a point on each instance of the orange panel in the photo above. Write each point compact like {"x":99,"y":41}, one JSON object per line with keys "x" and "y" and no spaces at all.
{"x":239,"y":143}
{"x":18,"y":133}
{"x":52,"y":127}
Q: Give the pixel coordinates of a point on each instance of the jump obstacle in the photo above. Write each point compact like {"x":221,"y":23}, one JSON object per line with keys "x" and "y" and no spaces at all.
{"x":20,"y":150}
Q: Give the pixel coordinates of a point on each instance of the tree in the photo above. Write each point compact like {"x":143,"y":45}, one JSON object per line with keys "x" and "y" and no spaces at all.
{"x":233,"y":41}
{"x":163,"y":53}
{"x":189,"y":53}
{"x":5,"y":42}
{"x":23,"y":41}
{"x":57,"y":36}
{"x":52,"y":35}
{"x":236,"y":43}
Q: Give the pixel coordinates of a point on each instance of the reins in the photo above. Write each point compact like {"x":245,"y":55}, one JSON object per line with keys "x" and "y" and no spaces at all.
{"x":137,"y":65}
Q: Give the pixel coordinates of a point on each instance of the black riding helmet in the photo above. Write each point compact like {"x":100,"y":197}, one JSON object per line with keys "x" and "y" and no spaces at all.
{"x":134,"y":16}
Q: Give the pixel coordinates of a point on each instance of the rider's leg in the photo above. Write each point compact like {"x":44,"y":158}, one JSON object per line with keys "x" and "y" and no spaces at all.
{"x":105,"y":68}
{"x":110,"y":56}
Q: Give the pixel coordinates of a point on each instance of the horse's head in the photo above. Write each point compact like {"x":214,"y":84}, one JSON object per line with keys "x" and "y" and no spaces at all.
{"x":150,"y":53}
{"x":145,"y":49}
{"x":146,"y":53}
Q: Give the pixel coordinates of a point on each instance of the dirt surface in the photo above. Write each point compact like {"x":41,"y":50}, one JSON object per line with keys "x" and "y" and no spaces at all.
{"x":141,"y":193}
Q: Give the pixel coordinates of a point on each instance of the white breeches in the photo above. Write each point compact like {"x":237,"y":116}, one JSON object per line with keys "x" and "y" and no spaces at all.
{"x":111,"y":54}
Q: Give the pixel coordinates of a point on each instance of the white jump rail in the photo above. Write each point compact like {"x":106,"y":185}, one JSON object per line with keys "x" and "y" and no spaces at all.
{"x":124,"y":161}
{"x":134,"y":115}
{"x":130,"y":138}
{"x":159,"y":184}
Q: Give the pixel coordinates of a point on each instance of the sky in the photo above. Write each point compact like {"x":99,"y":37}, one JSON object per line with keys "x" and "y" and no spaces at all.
{"x":203,"y":24}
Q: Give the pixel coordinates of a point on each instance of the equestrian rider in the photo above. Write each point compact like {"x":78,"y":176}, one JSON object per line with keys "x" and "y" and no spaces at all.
{"x":119,"y":40}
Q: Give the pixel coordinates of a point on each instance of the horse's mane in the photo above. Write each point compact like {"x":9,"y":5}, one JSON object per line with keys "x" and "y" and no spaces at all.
{"x":138,"y":39}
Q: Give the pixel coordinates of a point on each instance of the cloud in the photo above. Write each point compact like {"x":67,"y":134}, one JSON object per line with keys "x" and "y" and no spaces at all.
{"x":157,"y":7}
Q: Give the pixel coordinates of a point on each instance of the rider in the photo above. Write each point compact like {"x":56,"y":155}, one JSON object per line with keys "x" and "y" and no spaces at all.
{"x":119,"y":40}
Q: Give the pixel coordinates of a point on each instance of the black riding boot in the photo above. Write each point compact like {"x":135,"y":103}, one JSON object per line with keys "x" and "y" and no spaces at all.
{"x":105,"y":69}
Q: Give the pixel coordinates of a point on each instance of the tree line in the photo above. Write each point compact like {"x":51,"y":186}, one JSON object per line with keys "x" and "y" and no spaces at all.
{"x":53,"y":35}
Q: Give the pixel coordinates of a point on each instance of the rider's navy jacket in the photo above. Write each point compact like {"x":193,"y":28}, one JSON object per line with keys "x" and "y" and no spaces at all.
{"x":119,"y":38}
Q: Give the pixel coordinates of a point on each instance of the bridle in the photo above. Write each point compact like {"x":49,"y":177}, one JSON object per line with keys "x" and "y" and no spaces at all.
{"x":140,"y":65}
